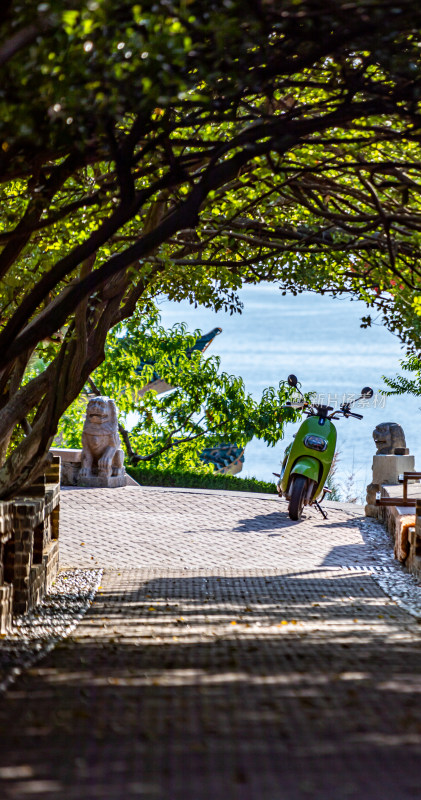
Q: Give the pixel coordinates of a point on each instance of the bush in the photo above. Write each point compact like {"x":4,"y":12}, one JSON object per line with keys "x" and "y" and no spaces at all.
{"x":194,"y":480}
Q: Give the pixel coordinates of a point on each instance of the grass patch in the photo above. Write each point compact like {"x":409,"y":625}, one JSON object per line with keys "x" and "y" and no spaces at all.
{"x":194,"y":480}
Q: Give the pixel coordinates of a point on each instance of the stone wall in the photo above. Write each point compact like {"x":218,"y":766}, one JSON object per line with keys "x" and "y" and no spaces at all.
{"x":413,"y":560}
{"x":29,"y":554}
{"x":403,"y":523}
{"x":6,"y":589}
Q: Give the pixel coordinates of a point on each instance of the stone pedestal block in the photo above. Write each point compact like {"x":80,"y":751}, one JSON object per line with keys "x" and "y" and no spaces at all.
{"x":70,"y":464}
{"x":99,"y":482}
{"x":371,"y":510}
{"x":71,"y":461}
{"x":387,"y":468}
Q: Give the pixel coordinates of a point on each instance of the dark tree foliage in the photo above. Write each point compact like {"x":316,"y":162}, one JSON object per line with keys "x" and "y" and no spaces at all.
{"x":183,"y":148}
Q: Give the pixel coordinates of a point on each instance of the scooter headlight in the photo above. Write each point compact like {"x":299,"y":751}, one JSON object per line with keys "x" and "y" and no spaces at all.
{"x":315,"y":442}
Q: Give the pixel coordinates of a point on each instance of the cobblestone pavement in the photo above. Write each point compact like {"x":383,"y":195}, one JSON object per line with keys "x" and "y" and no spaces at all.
{"x":132,"y":527}
{"x":229,"y":655}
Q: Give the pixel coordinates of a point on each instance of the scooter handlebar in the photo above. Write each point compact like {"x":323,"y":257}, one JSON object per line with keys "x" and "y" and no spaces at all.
{"x":353,"y":414}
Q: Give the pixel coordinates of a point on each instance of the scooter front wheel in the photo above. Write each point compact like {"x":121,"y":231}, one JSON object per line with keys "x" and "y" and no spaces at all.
{"x":297,"y":495}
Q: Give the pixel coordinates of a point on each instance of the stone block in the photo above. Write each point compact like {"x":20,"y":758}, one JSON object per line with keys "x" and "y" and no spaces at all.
{"x":55,"y":522}
{"x":41,"y":540}
{"x":6,"y":607}
{"x":21,"y":559}
{"x":372,"y":490}
{"x":37,"y":488}
{"x":70,"y":465}
{"x":66,"y":454}
{"x":413,"y":562}
{"x":36,"y":586}
{"x":99,"y":482}
{"x":70,"y":469}
{"x":387,"y":468}
{"x":51,"y":563}
{"x":24,"y":509}
{"x":371,"y":510}
{"x":21,"y":571}
{"x":403,"y":524}
{"x":6,"y":529}
{"x":53,"y":470}
{"x":5,"y":521}
{"x":405,"y":528}
{"x":412,"y":536}
{"x":31,"y":555}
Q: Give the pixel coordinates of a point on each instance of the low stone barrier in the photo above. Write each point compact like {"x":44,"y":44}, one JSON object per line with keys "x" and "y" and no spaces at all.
{"x":6,"y":589}
{"x":391,"y":461}
{"x":403,"y":524}
{"x":413,"y":561}
{"x":29,"y":555}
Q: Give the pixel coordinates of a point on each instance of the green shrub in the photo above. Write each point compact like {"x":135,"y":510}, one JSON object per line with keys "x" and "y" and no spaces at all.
{"x":194,"y":480}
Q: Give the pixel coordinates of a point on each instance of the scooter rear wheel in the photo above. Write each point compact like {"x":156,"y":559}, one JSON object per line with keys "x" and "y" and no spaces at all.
{"x":298,"y":491}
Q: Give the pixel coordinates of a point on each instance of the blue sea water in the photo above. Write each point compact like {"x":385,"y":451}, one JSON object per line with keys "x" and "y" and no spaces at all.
{"x":320,"y":340}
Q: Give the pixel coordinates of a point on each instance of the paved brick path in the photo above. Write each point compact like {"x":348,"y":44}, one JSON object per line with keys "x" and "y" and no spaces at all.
{"x":229,"y":655}
{"x":133,"y":527}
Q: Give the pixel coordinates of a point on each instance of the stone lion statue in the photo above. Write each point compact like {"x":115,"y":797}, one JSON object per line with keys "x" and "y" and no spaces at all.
{"x":389,"y":438}
{"x":101,"y":447}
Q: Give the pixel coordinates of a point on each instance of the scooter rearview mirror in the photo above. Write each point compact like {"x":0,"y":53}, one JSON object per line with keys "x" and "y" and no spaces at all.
{"x":367,"y":392}
{"x":292,"y":380}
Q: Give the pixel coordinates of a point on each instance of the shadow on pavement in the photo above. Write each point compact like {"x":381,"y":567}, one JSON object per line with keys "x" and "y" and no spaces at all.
{"x":280,"y":519}
{"x":312,"y":693}
{"x":349,"y":555}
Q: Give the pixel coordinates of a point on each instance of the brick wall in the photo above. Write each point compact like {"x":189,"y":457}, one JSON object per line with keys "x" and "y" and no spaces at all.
{"x":29,"y":554}
{"x":6,"y":589}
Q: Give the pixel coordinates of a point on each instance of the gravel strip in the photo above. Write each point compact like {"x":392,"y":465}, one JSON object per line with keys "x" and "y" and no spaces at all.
{"x":36,"y":633}
{"x":401,"y":586}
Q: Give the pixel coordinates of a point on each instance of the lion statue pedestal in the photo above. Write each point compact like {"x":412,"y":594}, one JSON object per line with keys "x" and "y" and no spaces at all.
{"x":391,"y":460}
{"x":392,"y":457}
{"x":102,"y":459}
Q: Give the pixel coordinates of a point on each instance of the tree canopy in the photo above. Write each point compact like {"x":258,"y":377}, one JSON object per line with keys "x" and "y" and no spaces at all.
{"x":204,"y":407}
{"x":183,"y":148}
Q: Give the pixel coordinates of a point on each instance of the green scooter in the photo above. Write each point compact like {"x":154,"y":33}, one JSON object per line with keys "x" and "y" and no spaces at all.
{"x":308,"y":459}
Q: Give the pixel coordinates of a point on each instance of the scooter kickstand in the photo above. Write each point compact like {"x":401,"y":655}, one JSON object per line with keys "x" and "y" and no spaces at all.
{"x":319,"y":508}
